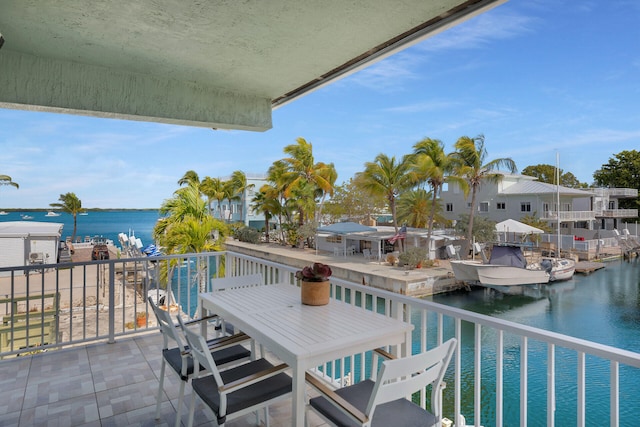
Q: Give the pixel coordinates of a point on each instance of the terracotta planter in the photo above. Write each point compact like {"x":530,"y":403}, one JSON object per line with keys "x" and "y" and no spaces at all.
{"x":141,"y":321}
{"x":315,"y":293}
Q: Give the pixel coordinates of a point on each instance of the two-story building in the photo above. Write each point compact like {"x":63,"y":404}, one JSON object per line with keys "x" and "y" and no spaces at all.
{"x":517,"y":196}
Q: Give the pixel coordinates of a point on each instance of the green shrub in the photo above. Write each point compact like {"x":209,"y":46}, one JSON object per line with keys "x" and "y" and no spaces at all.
{"x":412,"y":257}
{"x":247,"y":234}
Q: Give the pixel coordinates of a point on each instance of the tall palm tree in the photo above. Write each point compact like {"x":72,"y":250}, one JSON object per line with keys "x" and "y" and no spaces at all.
{"x":266,"y":202}
{"x":189,"y":177}
{"x":305,"y":178}
{"x":6,"y":180}
{"x":213,"y":189}
{"x":239,"y":180}
{"x":472,"y":165}
{"x":387,"y":177}
{"x":433,"y":166}
{"x":71,"y":204}
{"x":414,"y":207}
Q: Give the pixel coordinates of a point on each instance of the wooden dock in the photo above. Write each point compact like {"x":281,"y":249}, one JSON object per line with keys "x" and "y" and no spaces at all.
{"x":587,"y":267}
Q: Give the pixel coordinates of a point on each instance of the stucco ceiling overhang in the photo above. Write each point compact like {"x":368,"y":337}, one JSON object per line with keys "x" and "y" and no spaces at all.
{"x":219,"y":64}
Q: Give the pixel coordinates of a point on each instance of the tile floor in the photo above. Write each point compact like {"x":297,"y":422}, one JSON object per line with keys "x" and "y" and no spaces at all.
{"x":103,"y":385}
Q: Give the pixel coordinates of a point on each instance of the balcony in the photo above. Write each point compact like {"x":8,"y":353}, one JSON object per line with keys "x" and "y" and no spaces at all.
{"x":100,"y":366}
{"x":569,"y":216}
{"x":618,"y":213}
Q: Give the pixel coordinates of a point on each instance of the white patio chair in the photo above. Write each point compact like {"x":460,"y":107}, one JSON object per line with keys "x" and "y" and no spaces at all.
{"x":223,"y":283}
{"x":224,"y":350}
{"x":238,"y":390}
{"x":366,"y":253}
{"x":384,"y":402}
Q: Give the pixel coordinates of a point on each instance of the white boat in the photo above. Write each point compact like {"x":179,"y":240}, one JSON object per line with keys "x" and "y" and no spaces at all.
{"x":507,"y":267}
{"x":561,"y":268}
{"x":4,"y":213}
{"x":52,"y":213}
{"x":83,"y":213}
{"x":25,"y":216}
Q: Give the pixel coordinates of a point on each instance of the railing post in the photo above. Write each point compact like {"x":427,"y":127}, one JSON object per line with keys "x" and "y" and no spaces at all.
{"x":112,"y":302}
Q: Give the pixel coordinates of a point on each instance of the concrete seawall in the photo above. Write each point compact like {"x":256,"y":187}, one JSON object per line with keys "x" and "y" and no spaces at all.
{"x":355,"y":268}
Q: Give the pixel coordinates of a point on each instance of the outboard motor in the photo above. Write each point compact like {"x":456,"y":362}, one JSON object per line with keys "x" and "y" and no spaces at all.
{"x":546,"y":265}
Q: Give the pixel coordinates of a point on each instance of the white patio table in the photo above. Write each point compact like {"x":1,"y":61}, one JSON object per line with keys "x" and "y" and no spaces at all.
{"x":304,"y":336}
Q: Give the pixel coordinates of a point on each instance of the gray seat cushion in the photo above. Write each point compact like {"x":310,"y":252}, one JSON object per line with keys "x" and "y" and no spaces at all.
{"x":398,"y":413}
{"x":207,"y":388}
{"x":221,"y":357}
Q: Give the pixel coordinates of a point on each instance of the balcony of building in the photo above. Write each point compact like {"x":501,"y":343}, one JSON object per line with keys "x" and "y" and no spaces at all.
{"x":568,"y":216}
{"x":86,"y":360}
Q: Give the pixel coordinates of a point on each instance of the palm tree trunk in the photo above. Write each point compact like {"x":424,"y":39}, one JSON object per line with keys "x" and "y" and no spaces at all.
{"x":430,"y":228}
{"x":471,"y":215}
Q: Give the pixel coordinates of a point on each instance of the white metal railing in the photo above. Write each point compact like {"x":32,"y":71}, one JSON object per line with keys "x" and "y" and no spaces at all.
{"x":569,"y":215}
{"x":493,"y":366}
{"x":617,"y":192}
{"x":618,"y":213}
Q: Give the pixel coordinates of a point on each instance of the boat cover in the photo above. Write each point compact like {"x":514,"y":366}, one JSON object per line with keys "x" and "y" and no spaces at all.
{"x":508,"y":255}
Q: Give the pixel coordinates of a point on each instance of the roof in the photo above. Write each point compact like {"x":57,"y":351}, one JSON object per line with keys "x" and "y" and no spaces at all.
{"x":30,"y":228}
{"x":345,"y":228}
{"x":537,"y":187}
{"x":513,"y":226}
{"x":201,"y":63}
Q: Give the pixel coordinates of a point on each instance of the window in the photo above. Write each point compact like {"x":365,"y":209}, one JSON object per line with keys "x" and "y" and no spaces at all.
{"x":567,"y":207}
{"x":468,"y":204}
{"x":449,"y":207}
{"x":501,"y":206}
{"x":545,"y":207}
{"x":334,"y":239}
{"x":525,"y":206}
{"x":483,"y":207}
{"x":612,"y":204}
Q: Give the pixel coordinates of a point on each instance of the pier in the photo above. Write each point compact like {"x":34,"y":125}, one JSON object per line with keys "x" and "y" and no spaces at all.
{"x":588,"y":267}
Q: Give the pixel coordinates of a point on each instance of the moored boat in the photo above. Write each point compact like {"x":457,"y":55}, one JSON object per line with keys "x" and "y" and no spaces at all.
{"x":52,"y":213}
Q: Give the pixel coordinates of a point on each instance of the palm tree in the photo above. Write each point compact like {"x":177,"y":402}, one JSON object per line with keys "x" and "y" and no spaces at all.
{"x":213,"y":189}
{"x":305,"y":178}
{"x":386,"y":177}
{"x":189,"y":177}
{"x":471,"y":164}
{"x":266,"y":202}
{"x":415,"y":207}
{"x":70,"y":204}
{"x":6,"y":180}
{"x":239,"y":180}
{"x":433,"y":166}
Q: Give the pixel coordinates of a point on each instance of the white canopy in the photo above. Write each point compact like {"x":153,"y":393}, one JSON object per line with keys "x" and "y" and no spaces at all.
{"x":513,"y":226}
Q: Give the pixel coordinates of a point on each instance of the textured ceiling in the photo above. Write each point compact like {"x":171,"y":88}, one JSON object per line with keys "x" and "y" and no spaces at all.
{"x":244,"y":57}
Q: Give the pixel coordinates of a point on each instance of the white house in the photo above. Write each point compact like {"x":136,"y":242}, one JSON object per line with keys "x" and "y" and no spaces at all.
{"x":28,"y":243}
{"x":516,"y":196}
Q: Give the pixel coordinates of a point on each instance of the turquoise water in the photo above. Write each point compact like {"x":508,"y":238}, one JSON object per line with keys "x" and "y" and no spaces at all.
{"x":107,"y":224}
{"x":603,"y":307}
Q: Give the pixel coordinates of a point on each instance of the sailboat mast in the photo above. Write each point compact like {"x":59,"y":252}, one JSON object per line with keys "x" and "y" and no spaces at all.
{"x":558,"y":199}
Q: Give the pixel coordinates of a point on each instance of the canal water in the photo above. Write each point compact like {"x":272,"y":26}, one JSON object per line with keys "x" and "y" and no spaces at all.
{"x":603,"y":307}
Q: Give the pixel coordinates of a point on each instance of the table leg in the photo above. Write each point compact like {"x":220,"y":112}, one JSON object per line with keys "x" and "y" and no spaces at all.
{"x":298,"y":397}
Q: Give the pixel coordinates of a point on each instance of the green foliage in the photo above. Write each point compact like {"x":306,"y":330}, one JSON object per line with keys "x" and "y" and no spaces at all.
{"x":415,"y":206}
{"x":247,"y":234}
{"x":536,"y":222}
{"x":412,"y":257}
{"x":350,"y":201}
{"x":484,"y":230}
{"x":622,"y":171}
{"x":547,"y":173}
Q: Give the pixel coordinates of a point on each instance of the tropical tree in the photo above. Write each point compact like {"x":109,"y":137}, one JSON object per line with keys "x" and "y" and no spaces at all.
{"x":387,"y":177}
{"x":416,"y":208}
{"x":189,"y":177}
{"x":266,"y":202}
{"x":6,"y":180}
{"x":306,"y":179}
{"x":240,"y":185}
{"x":621,"y":171}
{"x":472,"y":165}
{"x":350,"y":201}
{"x":71,"y":204}
{"x":433,"y":166}
{"x":213,"y":189}
{"x":547,"y":173}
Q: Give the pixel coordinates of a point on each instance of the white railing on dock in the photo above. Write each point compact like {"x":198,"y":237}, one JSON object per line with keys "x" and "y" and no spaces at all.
{"x":98,"y":299}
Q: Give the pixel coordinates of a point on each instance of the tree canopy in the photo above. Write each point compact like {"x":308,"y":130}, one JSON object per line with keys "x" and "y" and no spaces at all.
{"x":622,"y":171}
{"x":547,"y":173}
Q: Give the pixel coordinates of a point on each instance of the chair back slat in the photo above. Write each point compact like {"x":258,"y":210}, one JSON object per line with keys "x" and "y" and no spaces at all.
{"x":402,"y":377}
{"x":167,"y":327}
{"x":201,"y":353}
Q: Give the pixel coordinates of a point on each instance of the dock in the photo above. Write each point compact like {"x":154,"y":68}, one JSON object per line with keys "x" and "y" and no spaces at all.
{"x":587,"y":267}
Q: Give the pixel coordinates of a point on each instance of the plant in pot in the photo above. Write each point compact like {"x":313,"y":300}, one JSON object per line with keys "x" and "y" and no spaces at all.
{"x":141,"y":319}
{"x":315,"y":287}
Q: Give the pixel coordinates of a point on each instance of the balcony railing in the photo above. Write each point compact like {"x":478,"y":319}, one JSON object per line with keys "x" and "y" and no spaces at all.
{"x":566,"y":216}
{"x":617,"y":192}
{"x":618,"y":213}
{"x":492,"y":367}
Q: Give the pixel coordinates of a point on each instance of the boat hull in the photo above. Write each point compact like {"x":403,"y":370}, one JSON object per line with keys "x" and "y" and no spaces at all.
{"x":563,"y":269}
{"x":500,"y":275}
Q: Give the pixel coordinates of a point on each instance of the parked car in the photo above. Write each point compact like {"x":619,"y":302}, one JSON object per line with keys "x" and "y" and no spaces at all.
{"x":100,"y":251}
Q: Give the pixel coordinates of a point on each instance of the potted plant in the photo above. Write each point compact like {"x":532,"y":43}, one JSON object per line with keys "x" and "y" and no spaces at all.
{"x":141,"y":319}
{"x":315,"y":287}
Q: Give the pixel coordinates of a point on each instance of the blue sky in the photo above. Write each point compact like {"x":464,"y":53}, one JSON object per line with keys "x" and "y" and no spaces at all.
{"x":534,"y":77}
